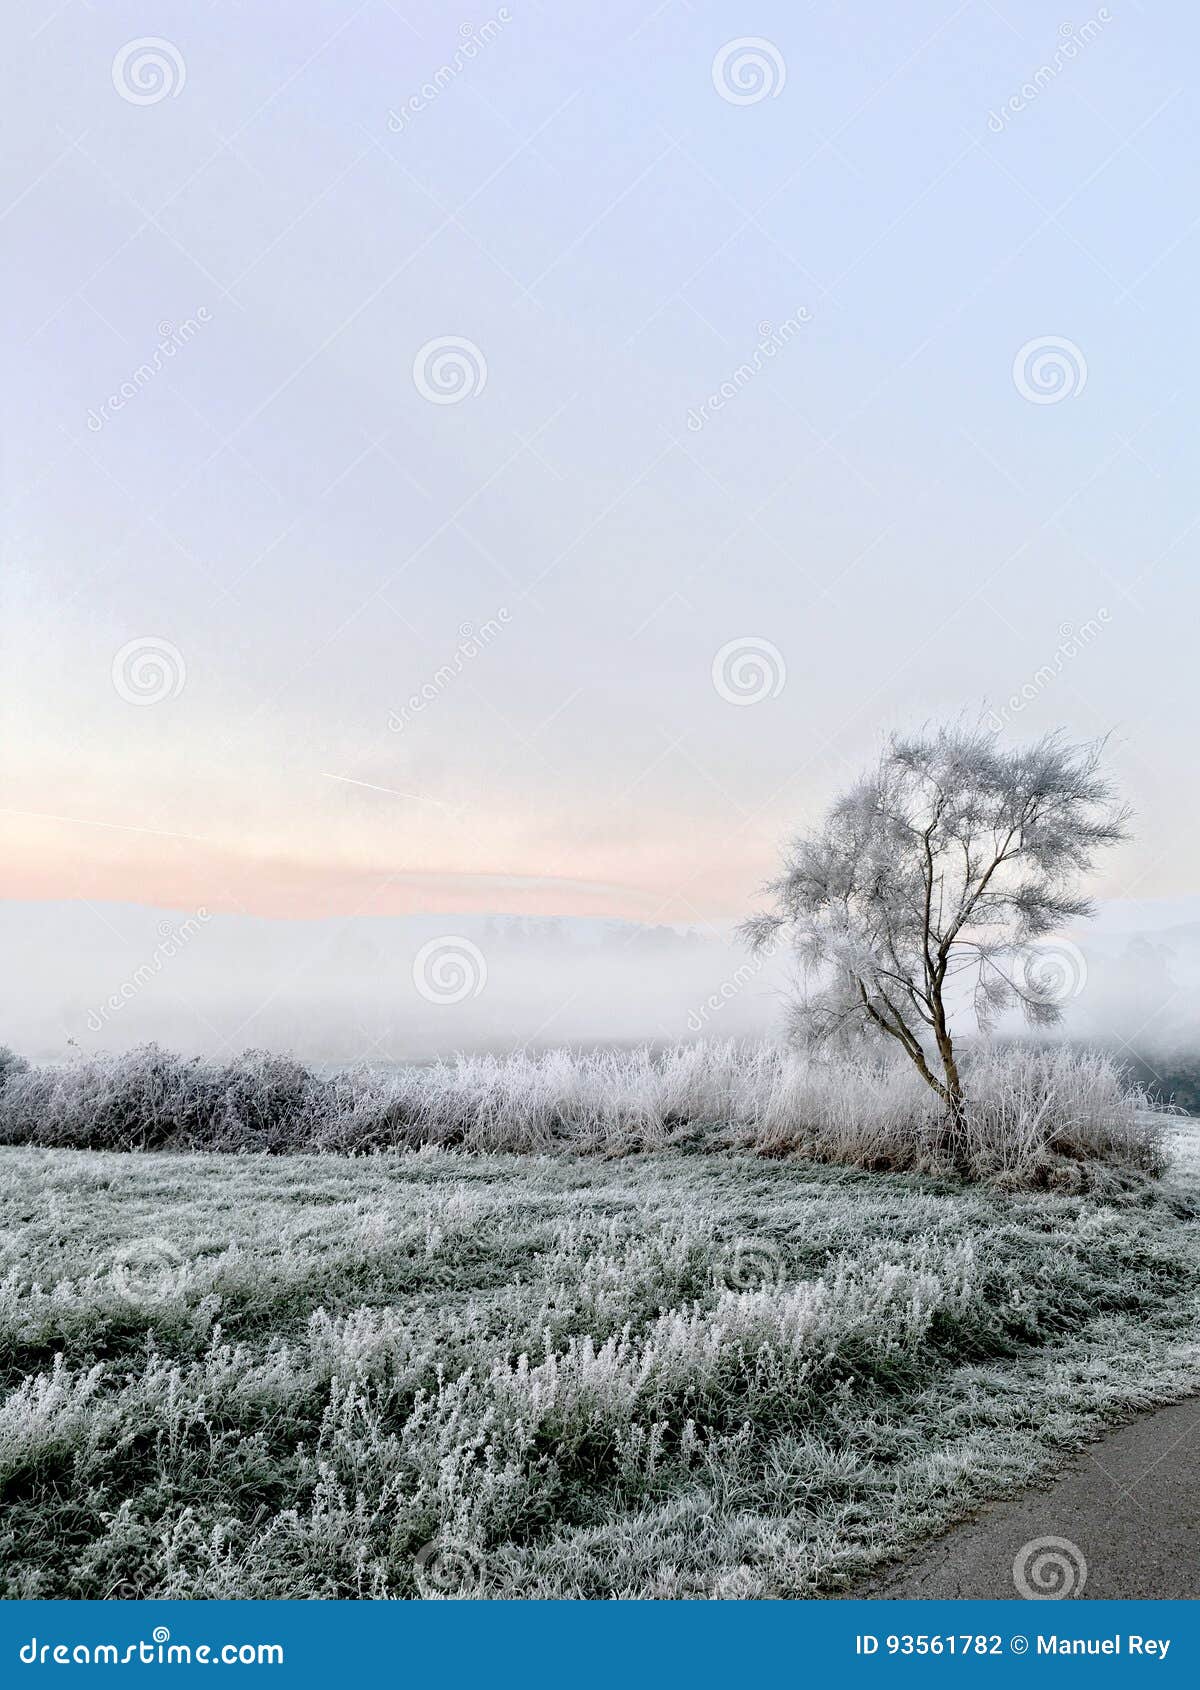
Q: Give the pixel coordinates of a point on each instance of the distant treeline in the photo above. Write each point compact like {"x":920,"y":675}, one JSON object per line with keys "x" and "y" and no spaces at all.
{"x":1166,"y":1079}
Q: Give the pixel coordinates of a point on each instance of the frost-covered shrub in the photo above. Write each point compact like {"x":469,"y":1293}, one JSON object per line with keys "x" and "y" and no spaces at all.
{"x":140,"y":1101}
{"x":1036,"y":1112}
{"x":259,"y":1101}
{"x":10,"y":1064}
{"x":150,"y":1099}
{"x":1034,"y":1116}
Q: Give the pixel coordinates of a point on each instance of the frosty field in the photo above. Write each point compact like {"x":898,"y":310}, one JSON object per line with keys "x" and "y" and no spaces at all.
{"x":441,"y":1373}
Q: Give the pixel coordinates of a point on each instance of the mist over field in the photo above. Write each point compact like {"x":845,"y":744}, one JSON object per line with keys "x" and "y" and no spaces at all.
{"x":108,"y":977}
{"x":406,"y":988}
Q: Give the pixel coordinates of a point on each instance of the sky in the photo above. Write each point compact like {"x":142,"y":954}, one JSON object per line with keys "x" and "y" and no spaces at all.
{"x":669,"y":398}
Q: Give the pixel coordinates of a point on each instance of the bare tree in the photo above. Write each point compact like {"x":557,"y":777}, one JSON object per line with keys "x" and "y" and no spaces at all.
{"x":935,"y":872}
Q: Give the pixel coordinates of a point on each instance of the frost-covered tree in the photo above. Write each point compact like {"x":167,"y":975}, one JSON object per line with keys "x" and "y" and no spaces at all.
{"x":936,"y":871}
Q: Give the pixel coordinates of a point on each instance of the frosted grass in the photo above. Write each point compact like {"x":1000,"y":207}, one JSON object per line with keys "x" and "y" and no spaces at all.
{"x":1037,"y":1116}
{"x":436,"y":1373}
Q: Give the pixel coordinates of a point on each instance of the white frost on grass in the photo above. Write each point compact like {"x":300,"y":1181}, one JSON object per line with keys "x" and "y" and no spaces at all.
{"x":537,"y":1366}
{"x":1036,"y":1116}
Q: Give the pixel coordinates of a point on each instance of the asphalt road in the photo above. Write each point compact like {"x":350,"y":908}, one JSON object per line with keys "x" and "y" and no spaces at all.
{"x":1125,"y":1514}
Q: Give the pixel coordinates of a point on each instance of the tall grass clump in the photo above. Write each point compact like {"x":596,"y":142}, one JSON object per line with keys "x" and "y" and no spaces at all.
{"x":1044,"y":1115}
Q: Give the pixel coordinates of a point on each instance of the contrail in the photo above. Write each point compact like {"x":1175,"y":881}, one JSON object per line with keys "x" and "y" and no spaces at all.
{"x":393,"y":792}
{"x":120,"y":827}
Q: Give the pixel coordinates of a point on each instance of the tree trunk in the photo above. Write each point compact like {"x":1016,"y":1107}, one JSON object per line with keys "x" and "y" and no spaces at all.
{"x":953,"y":1138}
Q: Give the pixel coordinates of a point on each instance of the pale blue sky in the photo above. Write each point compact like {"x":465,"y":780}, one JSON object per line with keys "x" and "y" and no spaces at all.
{"x":308,"y":532}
